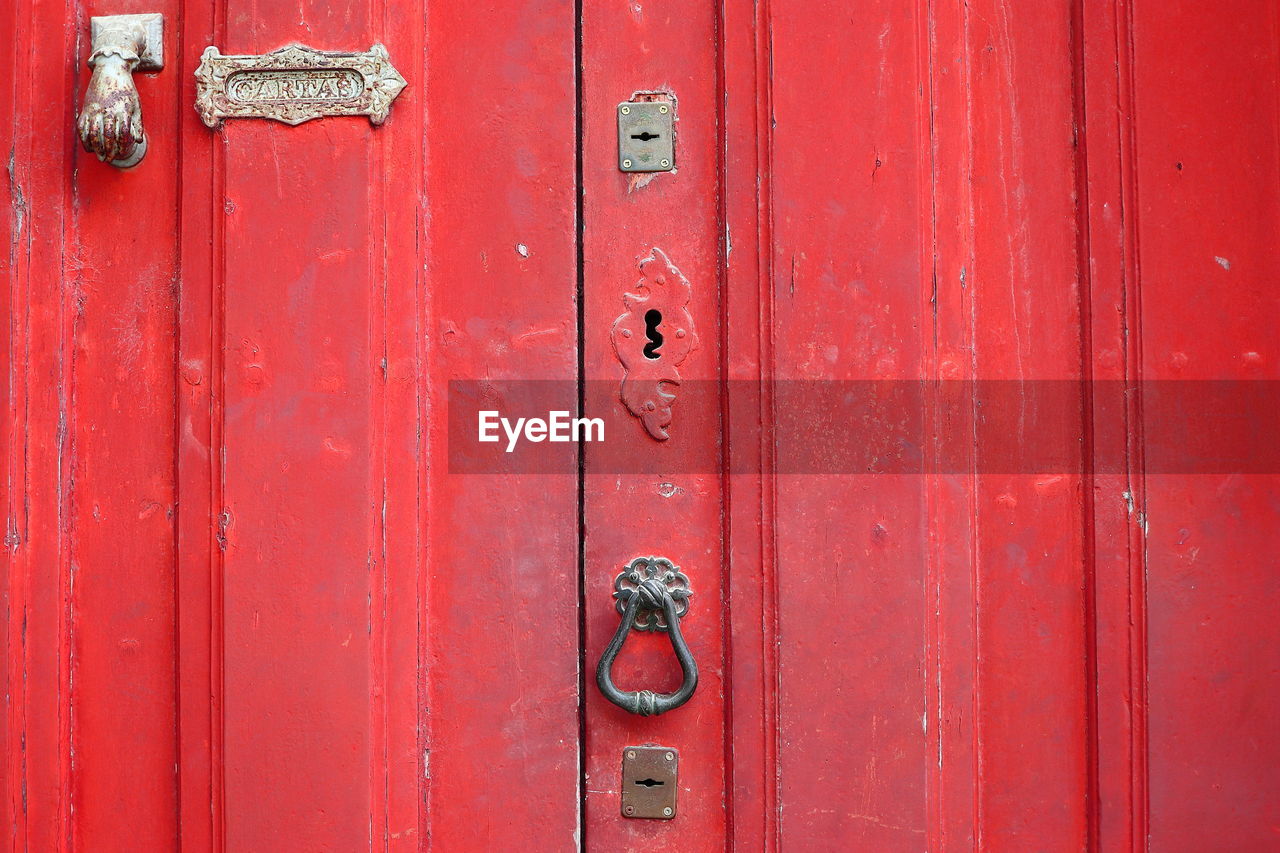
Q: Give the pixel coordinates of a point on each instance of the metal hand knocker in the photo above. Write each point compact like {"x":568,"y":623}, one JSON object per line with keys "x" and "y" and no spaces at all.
{"x":652,"y":595}
{"x":110,"y":124}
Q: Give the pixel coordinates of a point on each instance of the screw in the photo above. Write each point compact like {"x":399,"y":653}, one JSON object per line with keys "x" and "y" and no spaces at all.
{"x":665,"y":162}
{"x":627,"y":111}
{"x":628,"y":810}
{"x":666,"y":812}
{"x":626,"y":164}
{"x":671,"y":756}
{"x":631,"y":753}
{"x":662,"y":109}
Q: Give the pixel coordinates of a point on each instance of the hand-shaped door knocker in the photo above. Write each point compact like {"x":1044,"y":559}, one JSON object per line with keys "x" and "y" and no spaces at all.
{"x":652,"y":595}
{"x":110,"y":123}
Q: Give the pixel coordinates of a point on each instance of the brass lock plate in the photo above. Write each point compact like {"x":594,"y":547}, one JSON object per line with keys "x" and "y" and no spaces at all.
{"x":649,"y":782}
{"x":646,"y":136}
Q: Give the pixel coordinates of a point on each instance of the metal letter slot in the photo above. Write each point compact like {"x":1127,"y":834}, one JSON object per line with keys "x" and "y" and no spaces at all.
{"x":296,"y":84}
{"x":649,"y":782}
{"x":646,"y":136}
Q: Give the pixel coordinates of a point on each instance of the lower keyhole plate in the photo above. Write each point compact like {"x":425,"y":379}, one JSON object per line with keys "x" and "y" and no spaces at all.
{"x":649,"y":782}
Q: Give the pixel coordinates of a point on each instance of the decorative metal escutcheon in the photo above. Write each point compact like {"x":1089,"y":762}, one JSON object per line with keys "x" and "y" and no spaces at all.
{"x":662,"y":570}
{"x":296,"y":84}
{"x":652,"y":595}
{"x":652,"y":339}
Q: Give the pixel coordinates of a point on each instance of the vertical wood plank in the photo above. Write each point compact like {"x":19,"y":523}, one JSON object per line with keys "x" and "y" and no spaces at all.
{"x":650,"y":497}
{"x":37,"y":452}
{"x":1009,"y":309}
{"x":752,"y":733}
{"x":500,"y":629}
{"x":324,"y":703}
{"x":399,"y":787}
{"x":1206,"y":93}
{"x":925,"y":195}
{"x":91,"y":491}
{"x":200,"y":401}
{"x":124,"y":736}
{"x":301,"y":508}
{"x":848,"y":163}
{"x":1115,"y":504}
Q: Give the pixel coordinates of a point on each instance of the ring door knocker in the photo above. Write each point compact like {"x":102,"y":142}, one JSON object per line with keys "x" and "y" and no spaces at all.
{"x":652,"y":595}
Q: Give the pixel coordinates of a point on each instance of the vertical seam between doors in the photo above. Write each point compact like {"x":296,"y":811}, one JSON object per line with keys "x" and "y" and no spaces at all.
{"x":580,"y":310}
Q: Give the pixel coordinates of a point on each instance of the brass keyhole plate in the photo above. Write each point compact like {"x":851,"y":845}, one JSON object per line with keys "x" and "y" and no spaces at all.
{"x":646,"y":136}
{"x":649,"y":782}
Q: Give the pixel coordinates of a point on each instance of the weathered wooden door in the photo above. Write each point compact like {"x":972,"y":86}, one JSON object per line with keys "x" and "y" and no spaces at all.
{"x":939,"y":360}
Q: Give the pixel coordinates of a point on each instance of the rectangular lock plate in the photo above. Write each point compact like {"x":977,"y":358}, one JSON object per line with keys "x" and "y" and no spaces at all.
{"x":646,"y":136}
{"x":649,"y":782}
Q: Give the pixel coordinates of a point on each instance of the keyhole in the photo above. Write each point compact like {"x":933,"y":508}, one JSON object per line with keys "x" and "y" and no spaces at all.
{"x":649,"y":783}
{"x":652,"y":318}
{"x":645,"y":137}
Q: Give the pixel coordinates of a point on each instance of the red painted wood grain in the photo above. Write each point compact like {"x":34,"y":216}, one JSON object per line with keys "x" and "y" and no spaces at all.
{"x":500,"y":632}
{"x":249,"y":605}
{"x":91,"y":746}
{"x":1206,"y":173}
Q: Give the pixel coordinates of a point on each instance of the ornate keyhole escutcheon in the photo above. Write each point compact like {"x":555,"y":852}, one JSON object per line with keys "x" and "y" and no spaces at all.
{"x":652,"y":339}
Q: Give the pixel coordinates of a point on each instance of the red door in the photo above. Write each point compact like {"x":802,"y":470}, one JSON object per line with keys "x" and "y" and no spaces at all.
{"x":933,"y":356}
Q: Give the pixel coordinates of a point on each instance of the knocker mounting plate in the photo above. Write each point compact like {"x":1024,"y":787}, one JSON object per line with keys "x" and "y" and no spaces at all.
{"x":151,"y":57}
{"x":658,"y":569}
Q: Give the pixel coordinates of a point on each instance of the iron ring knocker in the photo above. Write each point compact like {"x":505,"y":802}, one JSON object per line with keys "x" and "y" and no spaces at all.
{"x":652,"y":595}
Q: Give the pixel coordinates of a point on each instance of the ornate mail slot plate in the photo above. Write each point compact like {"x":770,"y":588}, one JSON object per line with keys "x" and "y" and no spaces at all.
{"x":296,"y":84}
